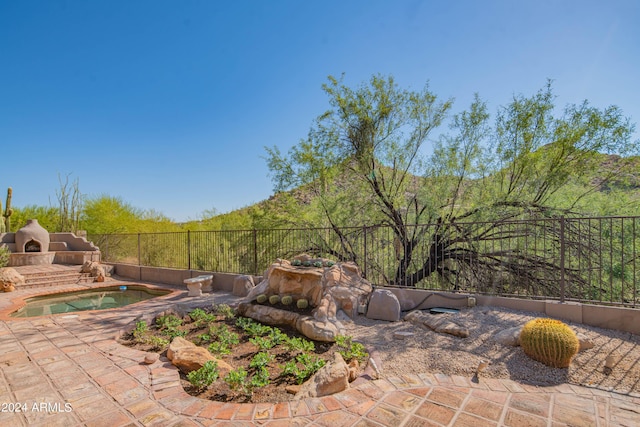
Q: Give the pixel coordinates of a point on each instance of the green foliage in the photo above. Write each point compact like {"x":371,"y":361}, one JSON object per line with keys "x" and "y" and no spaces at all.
{"x":200,"y":317}
{"x":263,"y":343}
{"x":5,"y":254}
{"x":225,"y":338}
{"x":225,"y":311}
{"x":237,"y":380}
{"x":302,"y":303}
{"x":549,"y":341}
{"x":140,"y":330}
{"x":303,"y":367}
{"x":261,"y":299}
{"x":299,"y":344}
{"x":350,"y":350}
{"x":261,"y":359}
{"x":204,"y":376}
{"x":274,"y":299}
{"x":5,"y":216}
{"x":141,"y":334}
{"x":169,"y":325}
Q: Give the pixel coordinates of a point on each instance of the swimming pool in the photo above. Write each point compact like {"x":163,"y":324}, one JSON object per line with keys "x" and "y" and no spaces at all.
{"x":91,"y":299}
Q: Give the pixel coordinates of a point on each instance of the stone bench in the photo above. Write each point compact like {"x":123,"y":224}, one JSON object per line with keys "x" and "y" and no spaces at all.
{"x":196,"y":285}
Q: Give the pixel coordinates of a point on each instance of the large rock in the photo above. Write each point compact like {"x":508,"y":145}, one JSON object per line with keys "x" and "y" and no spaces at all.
{"x":329,"y":290}
{"x":509,"y":337}
{"x":9,"y":279}
{"x":242,"y":285}
{"x":439,"y":323}
{"x":95,"y":269}
{"x":188,"y":357}
{"x":384,"y":305}
{"x":269,"y":315}
{"x":331,"y":378}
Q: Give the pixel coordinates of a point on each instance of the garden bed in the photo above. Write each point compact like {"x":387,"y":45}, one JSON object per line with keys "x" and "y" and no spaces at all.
{"x":269,"y":363}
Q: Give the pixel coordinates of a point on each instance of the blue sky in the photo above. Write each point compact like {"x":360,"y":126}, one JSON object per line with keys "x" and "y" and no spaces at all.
{"x":169,"y":104}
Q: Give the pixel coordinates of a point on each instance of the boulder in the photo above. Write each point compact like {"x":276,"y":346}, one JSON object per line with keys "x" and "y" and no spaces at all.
{"x":318,"y":330}
{"x":384,"y":305}
{"x":509,"y":337}
{"x":9,"y":279}
{"x":439,"y":323}
{"x":242,"y":285}
{"x":585,"y":342}
{"x":188,"y":357}
{"x":95,"y":269}
{"x":331,"y":378}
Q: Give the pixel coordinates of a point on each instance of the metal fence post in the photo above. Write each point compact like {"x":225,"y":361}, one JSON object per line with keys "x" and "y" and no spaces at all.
{"x":255,"y":251}
{"x":562,"y":258}
{"x":364,"y":250}
{"x":188,"y":249}
{"x":139,"y":257}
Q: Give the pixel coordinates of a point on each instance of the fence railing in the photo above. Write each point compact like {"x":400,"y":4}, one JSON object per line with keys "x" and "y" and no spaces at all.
{"x":581,"y":259}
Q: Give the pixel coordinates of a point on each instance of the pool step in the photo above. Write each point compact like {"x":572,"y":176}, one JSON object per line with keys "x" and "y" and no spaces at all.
{"x":56,"y":276}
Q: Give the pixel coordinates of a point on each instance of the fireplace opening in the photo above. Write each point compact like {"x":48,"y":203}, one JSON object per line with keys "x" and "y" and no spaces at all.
{"x":32,"y":246}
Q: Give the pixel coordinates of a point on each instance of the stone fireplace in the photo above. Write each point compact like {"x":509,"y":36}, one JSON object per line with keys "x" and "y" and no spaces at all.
{"x":33,"y":245}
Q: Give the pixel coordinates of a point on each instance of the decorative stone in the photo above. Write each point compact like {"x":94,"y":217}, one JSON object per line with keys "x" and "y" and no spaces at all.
{"x":328,"y":290}
{"x":585,"y":342}
{"x":439,"y":323}
{"x":384,"y":305}
{"x":151,"y":358}
{"x":242,"y":285}
{"x":331,"y":378}
{"x":400,"y":335}
{"x":95,"y":269}
{"x":354,"y":367}
{"x":509,"y":337}
{"x":188,"y":357}
{"x":9,"y":279}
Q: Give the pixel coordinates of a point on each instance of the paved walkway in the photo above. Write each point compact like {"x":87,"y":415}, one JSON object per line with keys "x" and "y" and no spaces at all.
{"x":68,"y":370}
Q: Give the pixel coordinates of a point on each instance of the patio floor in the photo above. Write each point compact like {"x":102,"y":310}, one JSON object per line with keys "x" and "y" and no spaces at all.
{"x":68,"y":370}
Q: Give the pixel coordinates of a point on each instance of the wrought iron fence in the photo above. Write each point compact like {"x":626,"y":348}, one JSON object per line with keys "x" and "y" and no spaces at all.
{"x":581,"y":259}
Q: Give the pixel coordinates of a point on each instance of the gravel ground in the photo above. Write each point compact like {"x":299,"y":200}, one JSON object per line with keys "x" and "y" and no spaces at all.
{"x":431,"y":352}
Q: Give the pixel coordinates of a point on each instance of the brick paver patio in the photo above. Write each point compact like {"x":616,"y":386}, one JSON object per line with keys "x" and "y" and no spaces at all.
{"x":68,"y":370}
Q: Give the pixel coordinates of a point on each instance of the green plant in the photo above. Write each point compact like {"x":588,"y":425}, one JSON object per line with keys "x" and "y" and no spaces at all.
{"x":260,"y":378}
{"x":225,"y":339}
{"x":307,"y":263}
{"x":310,"y":365}
{"x":274,"y":299}
{"x":302,"y":304}
{"x":296,"y":263}
{"x":5,"y":255}
{"x":5,"y":217}
{"x":263,"y":343}
{"x":549,"y":341}
{"x":317,"y":264}
{"x":287,"y":300}
{"x":226,"y":311}
{"x":237,"y":380}
{"x":204,"y":376}
{"x":169,"y":324}
{"x":261,"y":299}
{"x":261,"y":359}
{"x":350,"y":350}
{"x":140,"y":331}
{"x":299,"y":344}
{"x":199,"y":316}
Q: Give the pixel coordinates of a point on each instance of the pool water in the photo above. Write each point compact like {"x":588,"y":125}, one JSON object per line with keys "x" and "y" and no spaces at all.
{"x":92,"y":299}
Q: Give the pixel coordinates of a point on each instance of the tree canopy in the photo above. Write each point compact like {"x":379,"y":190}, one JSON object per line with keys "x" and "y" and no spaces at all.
{"x":367,"y":160}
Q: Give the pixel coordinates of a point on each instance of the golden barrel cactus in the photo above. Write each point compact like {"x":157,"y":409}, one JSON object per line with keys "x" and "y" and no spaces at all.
{"x":549,"y":341}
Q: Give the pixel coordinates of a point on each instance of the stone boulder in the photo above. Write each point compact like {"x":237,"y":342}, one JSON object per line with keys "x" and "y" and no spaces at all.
{"x":438,"y":322}
{"x":331,"y":378}
{"x":384,"y":305}
{"x":95,"y":269}
{"x":509,"y":337}
{"x":188,"y":357}
{"x":242,"y":285}
{"x":329,"y":290}
{"x":9,"y":279}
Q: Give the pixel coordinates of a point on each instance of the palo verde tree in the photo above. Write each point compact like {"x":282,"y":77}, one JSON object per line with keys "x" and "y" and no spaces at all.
{"x":479,"y":178}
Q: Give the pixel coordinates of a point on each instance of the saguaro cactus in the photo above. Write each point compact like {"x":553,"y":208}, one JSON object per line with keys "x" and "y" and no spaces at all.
{"x":6,"y":215}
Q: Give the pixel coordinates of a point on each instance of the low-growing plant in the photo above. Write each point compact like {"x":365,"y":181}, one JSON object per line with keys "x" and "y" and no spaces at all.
{"x":287,"y":300}
{"x":261,"y":299}
{"x":226,"y":311}
{"x":296,"y":263}
{"x":302,"y":303}
{"x":237,"y":380}
{"x":168,"y":325}
{"x":204,"y":376}
{"x":263,"y":343}
{"x":274,"y":299}
{"x":203,"y":338}
{"x":224,"y":339}
{"x":277,"y":336}
{"x":310,"y":365}
{"x":317,"y":264}
{"x":260,"y":378}
{"x":261,"y":359}
{"x":5,"y":256}
{"x":299,"y":344}
{"x":140,"y":331}
{"x":349,"y":349}
{"x":200,"y":317}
